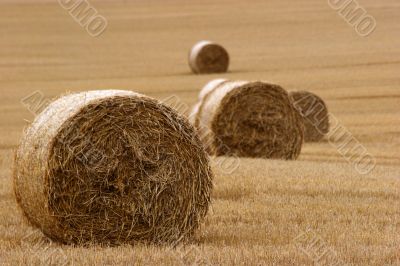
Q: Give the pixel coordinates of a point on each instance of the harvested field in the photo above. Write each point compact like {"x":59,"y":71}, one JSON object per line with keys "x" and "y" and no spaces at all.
{"x":263,"y":212}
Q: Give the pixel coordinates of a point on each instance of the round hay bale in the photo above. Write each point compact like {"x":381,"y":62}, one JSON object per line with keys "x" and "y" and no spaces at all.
{"x":193,"y":113}
{"x":249,"y":119}
{"x":210,"y":86}
{"x":208,"y":57}
{"x":314,"y":113}
{"x":112,"y":167}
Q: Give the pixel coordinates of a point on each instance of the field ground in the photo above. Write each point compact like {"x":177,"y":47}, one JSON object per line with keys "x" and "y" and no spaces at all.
{"x":266,"y":212}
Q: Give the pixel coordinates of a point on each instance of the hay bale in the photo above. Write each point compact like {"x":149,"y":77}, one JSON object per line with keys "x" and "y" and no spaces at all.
{"x":249,"y":119}
{"x":208,"y":57}
{"x":112,"y":167}
{"x":210,"y":86}
{"x":314,"y":113}
{"x":193,"y":113}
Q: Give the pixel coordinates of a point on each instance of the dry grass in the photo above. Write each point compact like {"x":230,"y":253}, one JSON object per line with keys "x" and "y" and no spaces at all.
{"x":259,"y":209}
{"x":256,"y":218}
{"x":87,"y":171}
{"x":249,"y":119}
{"x":314,"y":113}
{"x":207,"y":57}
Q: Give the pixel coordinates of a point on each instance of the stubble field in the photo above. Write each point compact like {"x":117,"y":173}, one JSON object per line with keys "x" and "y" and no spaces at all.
{"x":265,"y":212}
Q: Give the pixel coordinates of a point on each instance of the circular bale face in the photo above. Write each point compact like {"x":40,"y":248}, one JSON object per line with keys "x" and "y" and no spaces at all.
{"x":250,"y":119}
{"x":118,"y":168}
{"x":314,"y":113}
{"x":207,"y":57}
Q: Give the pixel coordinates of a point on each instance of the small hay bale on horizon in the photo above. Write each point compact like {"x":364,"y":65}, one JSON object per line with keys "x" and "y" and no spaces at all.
{"x":248,"y":119}
{"x":207,"y":57}
{"x":112,"y":167}
{"x":314,"y":113}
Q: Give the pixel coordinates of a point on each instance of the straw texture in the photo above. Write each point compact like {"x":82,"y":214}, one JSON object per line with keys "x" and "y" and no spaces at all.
{"x":248,"y":119}
{"x":314,"y":113}
{"x":112,"y":167}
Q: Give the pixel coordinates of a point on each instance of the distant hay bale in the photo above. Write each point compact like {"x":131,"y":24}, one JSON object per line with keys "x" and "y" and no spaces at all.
{"x":314,"y":113}
{"x":208,"y":57}
{"x":112,"y":167}
{"x":249,"y":119}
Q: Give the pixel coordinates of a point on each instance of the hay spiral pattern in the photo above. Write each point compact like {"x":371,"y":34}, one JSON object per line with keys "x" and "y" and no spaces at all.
{"x":207,"y":57}
{"x":314,"y":113}
{"x":248,"y":119}
{"x":112,"y":167}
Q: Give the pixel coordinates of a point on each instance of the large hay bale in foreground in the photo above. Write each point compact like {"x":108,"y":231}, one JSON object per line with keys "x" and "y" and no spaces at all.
{"x":249,"y":119}
{"x":314,"y":113}
{"x":207,"y":57}
{"x":112,"y":167}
